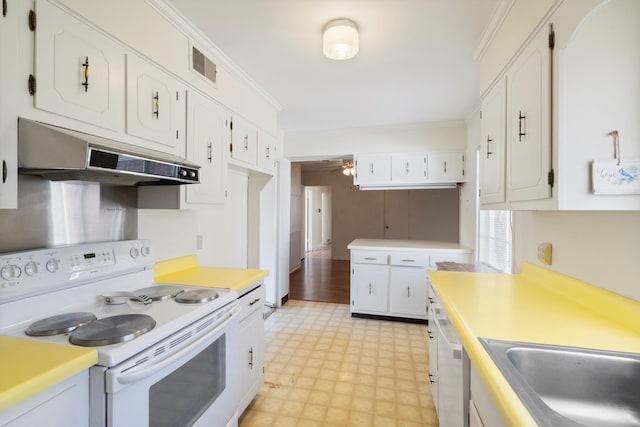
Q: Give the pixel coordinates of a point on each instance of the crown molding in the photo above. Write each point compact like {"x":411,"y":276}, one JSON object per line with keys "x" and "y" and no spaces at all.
{"x":207,"y":46}
{"x":497,"y":18}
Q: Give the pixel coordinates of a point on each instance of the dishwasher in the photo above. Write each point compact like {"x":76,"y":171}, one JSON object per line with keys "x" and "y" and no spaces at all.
{"x":451,"y":370}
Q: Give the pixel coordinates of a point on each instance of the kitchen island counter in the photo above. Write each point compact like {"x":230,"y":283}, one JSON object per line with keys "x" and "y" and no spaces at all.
{"x":28,"y":367}
{"x":407,"y":245}
{"x":538,"y":306}
{"x":186,"y":271}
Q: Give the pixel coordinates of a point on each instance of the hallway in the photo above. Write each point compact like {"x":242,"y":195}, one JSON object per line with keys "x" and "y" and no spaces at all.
{"x":320,"y":279}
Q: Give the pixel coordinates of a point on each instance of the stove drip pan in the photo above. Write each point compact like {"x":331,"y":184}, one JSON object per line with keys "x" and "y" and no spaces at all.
{"x":112,"y":330}
{"x":60,"y":324}
{"x":197,"y":296}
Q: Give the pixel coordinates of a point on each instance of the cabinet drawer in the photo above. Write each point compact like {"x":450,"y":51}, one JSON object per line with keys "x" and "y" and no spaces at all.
{"x":409,"y":259}
{"x":251,"y":302}
{"x":453,"y":257}
{"x":369,"y":257}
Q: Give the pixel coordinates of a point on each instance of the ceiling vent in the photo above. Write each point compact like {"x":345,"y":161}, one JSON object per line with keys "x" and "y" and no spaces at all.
{"x":203,"y":65}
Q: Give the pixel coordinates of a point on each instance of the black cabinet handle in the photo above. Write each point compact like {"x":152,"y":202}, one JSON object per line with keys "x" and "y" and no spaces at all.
{"x":4,"y":171}
{"x":521,"y":118}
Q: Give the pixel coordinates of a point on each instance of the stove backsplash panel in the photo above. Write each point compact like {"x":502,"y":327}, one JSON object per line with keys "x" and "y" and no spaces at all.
{"x":52,"y":213}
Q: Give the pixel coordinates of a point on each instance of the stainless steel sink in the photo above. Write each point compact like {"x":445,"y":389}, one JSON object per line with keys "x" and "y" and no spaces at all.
{"x":568,"y":386}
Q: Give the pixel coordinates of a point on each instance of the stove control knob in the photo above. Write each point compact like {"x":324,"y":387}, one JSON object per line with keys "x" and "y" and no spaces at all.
{"x":145,"y":250}
{"x":52,"y":265}
{"x":32,"y":268}
{"x":134,"y":252}
{"x":10,"y":272}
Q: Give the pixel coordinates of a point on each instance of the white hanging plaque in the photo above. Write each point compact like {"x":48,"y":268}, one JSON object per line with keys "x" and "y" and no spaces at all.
{"x":613,"y":177}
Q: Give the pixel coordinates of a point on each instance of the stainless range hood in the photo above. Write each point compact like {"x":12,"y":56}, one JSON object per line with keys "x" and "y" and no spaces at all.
{"x":60,"y":154}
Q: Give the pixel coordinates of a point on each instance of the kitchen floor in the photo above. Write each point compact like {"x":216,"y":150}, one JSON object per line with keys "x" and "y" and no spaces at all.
{"x":325,"y":368}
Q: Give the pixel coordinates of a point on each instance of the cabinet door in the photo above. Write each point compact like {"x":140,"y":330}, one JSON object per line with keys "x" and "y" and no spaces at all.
{"x":369,"y":288}
{"x":372,"y":169}
{"x":410,"y":168}
{"x":251,"y":357}
{"x":445,"y":167}
{"x":205,"y":122}
{"x":244,"y":142}
{"x":9,"y":87}
{"x":155,"y":107}
{"x":267,"y":150}
{"x":408,"y":291}
{"x":432,"y":332}
{"x":492,"y":148}
{"x":528,"y":122}
{"x":79,"y":71}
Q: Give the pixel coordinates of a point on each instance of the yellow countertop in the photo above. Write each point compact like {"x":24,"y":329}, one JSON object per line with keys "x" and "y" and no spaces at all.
{"x":537,"y":306}
{"x":28,"y":367}
{"x":186,"y":271}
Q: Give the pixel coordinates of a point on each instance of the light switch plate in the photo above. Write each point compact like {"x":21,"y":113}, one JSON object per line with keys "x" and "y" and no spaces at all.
{"x":544,"y":253}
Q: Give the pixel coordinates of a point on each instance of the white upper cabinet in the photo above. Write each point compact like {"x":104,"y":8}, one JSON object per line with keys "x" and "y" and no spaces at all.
{"x":564,"y":92}
{"x":155,"y":107}
{"x":409,"y":168}
{"x":10,"y":27}
{"x":445,"y":167}
{"x":492,"y":148}
{"x":372,"y":169}
{"x":79,"y":71}
{"x":267,"y":151}
{"x":244,"y":144}
{"x":205,"y":121}
{"x":528,"y":118}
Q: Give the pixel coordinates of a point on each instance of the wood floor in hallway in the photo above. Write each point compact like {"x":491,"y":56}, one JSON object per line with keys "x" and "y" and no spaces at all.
{"x":321,"y":279}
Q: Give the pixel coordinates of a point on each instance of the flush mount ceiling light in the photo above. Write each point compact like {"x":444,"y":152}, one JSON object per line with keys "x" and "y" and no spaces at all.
{"x":340,"y":39}
{"x":347,"y":168}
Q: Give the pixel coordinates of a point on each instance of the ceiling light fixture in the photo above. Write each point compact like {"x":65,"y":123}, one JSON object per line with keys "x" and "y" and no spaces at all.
{"x":347,"y":168}
{"x":340,"y":39}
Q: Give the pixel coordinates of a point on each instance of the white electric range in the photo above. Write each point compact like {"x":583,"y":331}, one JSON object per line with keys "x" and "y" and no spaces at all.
{"x":165,"y":352}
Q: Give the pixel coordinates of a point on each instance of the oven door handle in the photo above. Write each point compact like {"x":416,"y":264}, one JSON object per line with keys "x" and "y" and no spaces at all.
{"x":135,"y":375}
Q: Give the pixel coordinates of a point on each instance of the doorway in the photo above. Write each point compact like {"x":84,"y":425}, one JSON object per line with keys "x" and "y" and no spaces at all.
{"x":317,"y":229}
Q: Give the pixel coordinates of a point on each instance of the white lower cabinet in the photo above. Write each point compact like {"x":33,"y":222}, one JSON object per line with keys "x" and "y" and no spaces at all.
{"x":65,"y":404}
{"x":251,"y":352}
{"x":394,"y":283}
{"x":432,"y":336}
{"x":369,"y":288}
{"x":408,"y":291}
{"x":482,"y":411}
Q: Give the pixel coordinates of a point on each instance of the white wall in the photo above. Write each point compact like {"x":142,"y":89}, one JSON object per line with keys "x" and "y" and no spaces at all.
{"x":407,"y":138}
{"x":469,"y":191}
{"x":223,"y":229}
{"x":600,"y":248}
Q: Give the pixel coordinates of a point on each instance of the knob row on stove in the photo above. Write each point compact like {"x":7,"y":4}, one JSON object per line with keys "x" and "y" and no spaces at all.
{"x":136,"y":252}
{"x":32,"y":268}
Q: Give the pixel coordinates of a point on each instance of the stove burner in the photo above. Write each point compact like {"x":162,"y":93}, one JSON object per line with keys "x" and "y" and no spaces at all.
{"x":59,"y":324}
{"x":112,"y":330}
{"x":159,"y":292}
{"x":197,"y":296}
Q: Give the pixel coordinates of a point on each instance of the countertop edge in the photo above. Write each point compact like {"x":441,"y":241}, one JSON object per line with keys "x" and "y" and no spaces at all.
{"x":49,"y":377}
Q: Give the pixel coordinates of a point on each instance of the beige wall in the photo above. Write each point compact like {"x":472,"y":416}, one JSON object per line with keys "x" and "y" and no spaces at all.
{"x":600,"y":248}
{"x":430,"y":214}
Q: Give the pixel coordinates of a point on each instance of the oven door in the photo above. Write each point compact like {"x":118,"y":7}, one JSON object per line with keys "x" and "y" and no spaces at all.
{"x":187,"y":380}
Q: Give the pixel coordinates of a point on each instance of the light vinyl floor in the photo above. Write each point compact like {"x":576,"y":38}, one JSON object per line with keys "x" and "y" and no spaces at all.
{"x":325,"y":368}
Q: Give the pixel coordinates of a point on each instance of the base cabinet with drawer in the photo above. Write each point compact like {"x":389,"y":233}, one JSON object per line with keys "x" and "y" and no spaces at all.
{"x":389,"y":277}
{"x":251,"y":354}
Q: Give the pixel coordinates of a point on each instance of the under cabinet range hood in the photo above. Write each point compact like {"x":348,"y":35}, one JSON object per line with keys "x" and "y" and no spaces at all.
{"x":60,"y":154}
